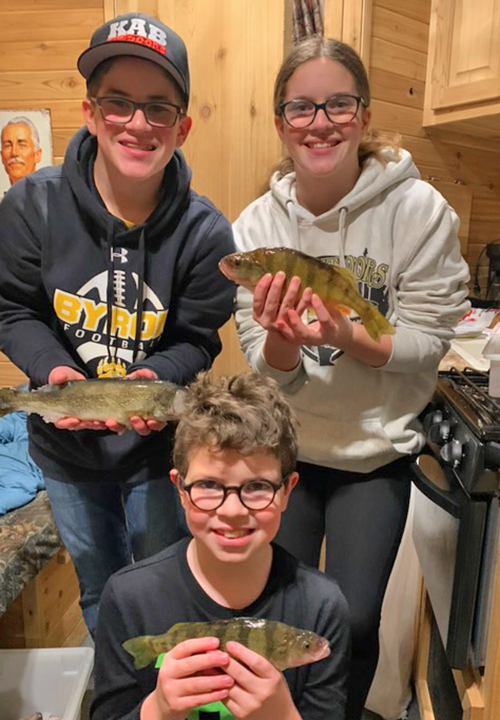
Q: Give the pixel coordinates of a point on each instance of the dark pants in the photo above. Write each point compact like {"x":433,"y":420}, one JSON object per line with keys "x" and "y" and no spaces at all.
{"x":363,"y":518}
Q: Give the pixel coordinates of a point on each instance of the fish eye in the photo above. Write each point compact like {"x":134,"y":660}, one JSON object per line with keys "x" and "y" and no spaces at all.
{"x":307,"y":645}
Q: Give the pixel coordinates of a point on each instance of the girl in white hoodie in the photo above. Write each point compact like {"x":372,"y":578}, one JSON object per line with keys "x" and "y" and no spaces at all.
{"x":348,"y":197}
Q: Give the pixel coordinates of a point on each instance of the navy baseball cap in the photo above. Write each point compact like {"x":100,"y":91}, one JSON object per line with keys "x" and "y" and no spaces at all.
{"x":141,"y":36}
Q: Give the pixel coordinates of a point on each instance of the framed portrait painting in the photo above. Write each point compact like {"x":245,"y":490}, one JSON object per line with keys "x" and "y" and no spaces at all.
{"x":25,"y":144}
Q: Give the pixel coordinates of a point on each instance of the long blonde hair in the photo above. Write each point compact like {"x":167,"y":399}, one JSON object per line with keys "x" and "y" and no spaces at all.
{"x":316,"y":47}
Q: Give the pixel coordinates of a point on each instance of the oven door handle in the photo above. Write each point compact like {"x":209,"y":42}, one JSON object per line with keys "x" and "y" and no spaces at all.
{"x":439,"y":484}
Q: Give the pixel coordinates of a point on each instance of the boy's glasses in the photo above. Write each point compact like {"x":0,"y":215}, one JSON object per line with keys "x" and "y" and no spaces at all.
{"x":253,"y":494}
{"x":339,"y":109}
{"x":120,"y":111}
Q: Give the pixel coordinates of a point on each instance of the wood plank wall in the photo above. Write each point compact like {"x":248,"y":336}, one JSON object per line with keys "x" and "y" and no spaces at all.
{"x":466,"y":169}
{"x":41,"y":41}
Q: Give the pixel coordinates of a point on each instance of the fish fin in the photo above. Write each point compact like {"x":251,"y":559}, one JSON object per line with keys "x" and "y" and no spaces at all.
{"x":375,"y":323}
{"x":346,"y":274}
{"x":6,"y":397}
{"x":138,"y":647}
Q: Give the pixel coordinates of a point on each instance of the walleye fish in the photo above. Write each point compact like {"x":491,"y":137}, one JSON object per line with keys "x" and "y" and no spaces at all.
{"x":334,"y":285}
{"x":283,"y":645}
{"x":98,"y":400}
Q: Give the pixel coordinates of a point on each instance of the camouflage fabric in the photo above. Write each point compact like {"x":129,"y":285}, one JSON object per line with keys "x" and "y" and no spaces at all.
{"x":28,"y":539}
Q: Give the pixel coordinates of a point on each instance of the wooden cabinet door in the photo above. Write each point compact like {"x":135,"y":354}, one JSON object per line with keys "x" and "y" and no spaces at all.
{"x":464,"y":52}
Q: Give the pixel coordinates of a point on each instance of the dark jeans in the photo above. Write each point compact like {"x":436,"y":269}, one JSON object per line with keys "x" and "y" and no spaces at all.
{"x":363,"y":518}
{"x":105,"y":526}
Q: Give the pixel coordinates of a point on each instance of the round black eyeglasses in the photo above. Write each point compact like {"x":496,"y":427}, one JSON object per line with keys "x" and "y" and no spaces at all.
{"x":253,"y":494}
{"x":339,"y":109}
{"x":120,"y":111}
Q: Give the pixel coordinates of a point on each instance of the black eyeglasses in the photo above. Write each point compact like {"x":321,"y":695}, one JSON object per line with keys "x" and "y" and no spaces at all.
{"x":120,"y":111}
{"x":253,"y":494}
{"x":339,"y":109}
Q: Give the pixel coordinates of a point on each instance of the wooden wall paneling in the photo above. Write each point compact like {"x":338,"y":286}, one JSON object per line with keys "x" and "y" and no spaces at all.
{"x":42,"y":5}
{"x":350,"y":21}
{"x":333,"y":17}
{"x":10,"y":375}
{"x":393,"y":27}
{"x":38,"y":59}
{"x":43,"y":55}
{"x":401,"y":60}
{"x":40,"y":26}
{"x":418,"y":9}
{"x":396,"y":89}
{"x":52,"y":85}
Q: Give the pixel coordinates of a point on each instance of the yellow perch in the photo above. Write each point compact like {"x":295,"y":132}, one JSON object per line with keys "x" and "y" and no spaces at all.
{"x":283,"y":645}
{"x":334,"y":285}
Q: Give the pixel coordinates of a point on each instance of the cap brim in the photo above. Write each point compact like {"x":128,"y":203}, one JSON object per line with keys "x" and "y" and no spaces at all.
{"x":94,"y":56}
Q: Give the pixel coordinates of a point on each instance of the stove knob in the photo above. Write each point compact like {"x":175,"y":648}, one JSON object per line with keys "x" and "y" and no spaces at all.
{"x":432,"y":418}
{"x":452,"y":453}
{"x":440,"y":432}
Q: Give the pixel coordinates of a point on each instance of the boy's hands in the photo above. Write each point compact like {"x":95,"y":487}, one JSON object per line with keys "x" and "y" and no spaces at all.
{"x":60,"y":375}
{"x":189,"y":676}
{"x":260,"y":692}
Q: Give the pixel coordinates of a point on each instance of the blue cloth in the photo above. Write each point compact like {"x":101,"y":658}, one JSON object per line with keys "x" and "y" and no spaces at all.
{"x":20,"y":477}
{"x":105,"y":526}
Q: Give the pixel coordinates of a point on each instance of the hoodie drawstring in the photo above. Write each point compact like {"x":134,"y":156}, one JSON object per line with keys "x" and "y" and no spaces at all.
{"x":294,"y":222}
{"x":343,"y":234}
{"x":110,"y":243}
{"x":110,"y":293}
{"x":140,"y":291}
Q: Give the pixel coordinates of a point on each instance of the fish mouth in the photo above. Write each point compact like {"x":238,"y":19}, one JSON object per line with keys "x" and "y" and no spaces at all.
{"x":225,"y":268}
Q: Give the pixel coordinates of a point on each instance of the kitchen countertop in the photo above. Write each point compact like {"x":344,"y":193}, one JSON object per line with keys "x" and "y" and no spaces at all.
{"x":466,"y":352}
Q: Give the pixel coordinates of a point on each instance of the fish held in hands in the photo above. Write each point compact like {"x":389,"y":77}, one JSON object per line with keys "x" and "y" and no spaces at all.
{"x":336,"y":286}
{"x":102,"y":399}
{"x":283,"y":645}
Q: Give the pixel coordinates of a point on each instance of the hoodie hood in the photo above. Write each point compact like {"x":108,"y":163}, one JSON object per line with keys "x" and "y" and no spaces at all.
{"x":375,"y":178}
{"x":79,"y":170}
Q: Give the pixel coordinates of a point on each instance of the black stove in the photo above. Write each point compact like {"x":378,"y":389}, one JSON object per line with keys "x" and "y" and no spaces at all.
{"x":456,"y":521}
{"x":462,"y":427}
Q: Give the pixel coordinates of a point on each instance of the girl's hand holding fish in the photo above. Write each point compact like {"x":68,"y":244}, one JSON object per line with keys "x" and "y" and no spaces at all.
{"x":183,"y":682}
{"x":271,"y":304}
{"x":260,"y":691}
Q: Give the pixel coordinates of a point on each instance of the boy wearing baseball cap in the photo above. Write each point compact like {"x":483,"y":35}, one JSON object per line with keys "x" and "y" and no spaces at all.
{"x":109,"y":267}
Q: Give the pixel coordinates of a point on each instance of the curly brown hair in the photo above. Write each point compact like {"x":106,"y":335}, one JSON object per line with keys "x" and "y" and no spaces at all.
{"x":246,"y":412}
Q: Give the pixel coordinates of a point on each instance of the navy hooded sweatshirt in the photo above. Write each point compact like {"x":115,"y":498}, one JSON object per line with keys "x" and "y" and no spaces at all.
{"x":68,"y":267}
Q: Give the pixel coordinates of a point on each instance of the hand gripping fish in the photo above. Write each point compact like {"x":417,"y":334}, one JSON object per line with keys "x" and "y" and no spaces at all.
{"x":102,"y":399}
{"x":283,"y":645}
{"x":334,"y":285}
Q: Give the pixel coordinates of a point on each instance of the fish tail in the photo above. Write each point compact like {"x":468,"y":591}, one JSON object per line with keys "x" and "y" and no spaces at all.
{"x":140,"y":649}
{"x":375,"y":323}
{"x":7,"y":396}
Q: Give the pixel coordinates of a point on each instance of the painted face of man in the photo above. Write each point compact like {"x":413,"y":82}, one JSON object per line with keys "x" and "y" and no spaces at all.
{"x":19,"y":153}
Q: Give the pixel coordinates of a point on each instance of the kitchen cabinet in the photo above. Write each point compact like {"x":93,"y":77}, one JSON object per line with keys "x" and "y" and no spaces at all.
{"x":463,"y":68}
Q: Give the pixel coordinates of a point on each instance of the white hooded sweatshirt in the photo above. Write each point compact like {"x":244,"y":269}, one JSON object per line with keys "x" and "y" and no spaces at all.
{"x":399,"y":237}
